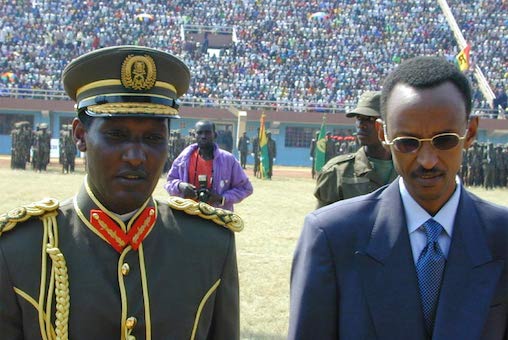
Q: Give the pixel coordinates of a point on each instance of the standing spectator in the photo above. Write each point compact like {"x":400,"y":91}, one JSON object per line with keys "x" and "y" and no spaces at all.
{"x":364,"y":171}
{"x":243,"y":148}
{"x":206,"y":173}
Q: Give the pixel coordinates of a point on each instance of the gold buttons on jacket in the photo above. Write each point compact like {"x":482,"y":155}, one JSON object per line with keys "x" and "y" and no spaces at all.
{"x":130,"y":323}
{"x":125,"y":269}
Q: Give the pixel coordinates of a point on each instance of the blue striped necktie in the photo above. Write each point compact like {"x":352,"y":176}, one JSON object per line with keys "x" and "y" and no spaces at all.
{"x":429,"y":268}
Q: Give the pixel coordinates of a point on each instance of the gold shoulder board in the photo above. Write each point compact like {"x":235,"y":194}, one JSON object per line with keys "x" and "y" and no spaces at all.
{"x":41,"y":208}
{"x":225,"y":218}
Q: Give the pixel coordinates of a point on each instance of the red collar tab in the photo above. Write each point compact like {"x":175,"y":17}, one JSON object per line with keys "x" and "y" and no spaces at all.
{"x":115,"y":236}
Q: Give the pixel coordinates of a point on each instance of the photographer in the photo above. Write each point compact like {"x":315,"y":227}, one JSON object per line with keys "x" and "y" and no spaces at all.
{"x":206,"y":173}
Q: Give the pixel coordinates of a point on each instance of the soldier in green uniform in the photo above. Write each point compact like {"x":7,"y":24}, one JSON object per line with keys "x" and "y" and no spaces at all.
{"x":21,"y":141}
{"x":67,"y":149}
{"x":364,"y":171}
{"x":16,"y":154}
{"x":113,"y":262}
{"x":272,"y":153}
{"x":255,"y":154}
{"x":313,"y":144}
{"x":500,"y":172}
{"x":475,"y":165}
{"x":26,"y":138}
{"x":489,"y":167}
{"x":41,"y":147}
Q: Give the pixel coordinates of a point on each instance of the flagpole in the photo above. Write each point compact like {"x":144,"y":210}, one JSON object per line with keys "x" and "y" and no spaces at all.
{"x":482,"y":81}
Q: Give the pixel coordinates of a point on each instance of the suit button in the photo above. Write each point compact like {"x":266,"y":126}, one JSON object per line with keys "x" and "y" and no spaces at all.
{"x":125,"y":269}
{"x":130,"y":323}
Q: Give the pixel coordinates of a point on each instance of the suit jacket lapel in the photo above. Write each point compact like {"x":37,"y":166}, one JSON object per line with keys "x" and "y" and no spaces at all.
{"x":470,"y":278}
{"x":388,"y":273}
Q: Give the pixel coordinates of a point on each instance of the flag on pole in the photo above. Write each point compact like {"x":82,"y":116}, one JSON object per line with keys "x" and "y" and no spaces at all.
{"x":319,"y":155}
{"x":264,"y":163}
{"x":462,"y":59}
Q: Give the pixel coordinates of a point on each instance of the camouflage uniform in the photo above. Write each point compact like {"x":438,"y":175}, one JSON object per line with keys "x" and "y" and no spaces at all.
{"x":347,"y":176}
{"x":255,"y":154}
{"x":67,"y":149}
{"x":16,"y":158}
{"x":475,"y":165}
{"x":489,"y":167}
{"x":41,"y":148}
{"x":26,"y":138}
{"x":500,"y":173}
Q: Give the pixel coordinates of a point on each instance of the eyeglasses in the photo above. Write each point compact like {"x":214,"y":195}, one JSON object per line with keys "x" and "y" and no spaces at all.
{"x":442,"y":141}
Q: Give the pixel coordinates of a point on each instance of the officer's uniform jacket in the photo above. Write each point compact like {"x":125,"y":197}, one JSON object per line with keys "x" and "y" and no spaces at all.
{"x":347,"y":176}
{"x":75,"y":270}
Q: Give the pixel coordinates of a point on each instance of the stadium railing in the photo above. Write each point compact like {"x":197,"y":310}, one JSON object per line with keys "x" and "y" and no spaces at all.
{"x":223,"y":103}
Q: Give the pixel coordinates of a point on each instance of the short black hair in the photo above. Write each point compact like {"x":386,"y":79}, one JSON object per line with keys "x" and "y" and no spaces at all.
{"x":206,"y":122}
{"x":427,"y":72}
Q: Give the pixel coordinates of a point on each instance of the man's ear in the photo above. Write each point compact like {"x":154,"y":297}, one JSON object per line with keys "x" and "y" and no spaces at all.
{"x":381,"y":133}
{"x":78,"y":133}
{"x":472,"y":130}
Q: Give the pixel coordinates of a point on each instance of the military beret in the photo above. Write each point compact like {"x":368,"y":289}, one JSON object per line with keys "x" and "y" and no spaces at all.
{"x":369,"y":104}
{"x":126,"y":81}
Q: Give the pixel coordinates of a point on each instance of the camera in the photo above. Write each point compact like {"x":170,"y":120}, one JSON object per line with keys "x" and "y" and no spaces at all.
{"x":203,"y":192}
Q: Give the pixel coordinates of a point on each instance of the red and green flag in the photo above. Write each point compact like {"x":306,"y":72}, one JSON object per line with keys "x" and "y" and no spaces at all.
{"x":264,"y":163}
{"x":319,"y":155}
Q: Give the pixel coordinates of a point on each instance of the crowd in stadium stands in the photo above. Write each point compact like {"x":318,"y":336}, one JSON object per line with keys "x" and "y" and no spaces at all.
{"x":321,"y":53}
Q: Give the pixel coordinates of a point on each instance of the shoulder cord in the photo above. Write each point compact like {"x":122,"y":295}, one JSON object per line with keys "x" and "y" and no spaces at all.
{"x":59,"y":281}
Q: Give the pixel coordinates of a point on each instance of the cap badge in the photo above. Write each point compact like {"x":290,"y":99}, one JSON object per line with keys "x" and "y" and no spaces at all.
{"x":138,"y":72}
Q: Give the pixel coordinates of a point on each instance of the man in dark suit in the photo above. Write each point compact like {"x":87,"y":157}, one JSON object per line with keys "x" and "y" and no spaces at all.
{"x":421,"y":258}
{"x":113,"y":262}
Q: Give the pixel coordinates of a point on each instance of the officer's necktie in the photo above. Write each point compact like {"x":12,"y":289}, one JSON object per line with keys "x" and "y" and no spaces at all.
{"x":429,"y":268}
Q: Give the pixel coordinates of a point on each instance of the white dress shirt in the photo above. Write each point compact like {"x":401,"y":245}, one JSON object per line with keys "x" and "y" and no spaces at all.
{"x":416,"y":216}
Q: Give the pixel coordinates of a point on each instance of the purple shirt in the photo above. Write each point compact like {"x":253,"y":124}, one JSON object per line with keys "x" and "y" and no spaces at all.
{"x":229,"y":179}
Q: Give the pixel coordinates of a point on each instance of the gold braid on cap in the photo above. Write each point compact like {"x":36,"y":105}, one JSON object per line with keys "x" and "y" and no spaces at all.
{"x":225,"y":218}
{"x":137,"y":108}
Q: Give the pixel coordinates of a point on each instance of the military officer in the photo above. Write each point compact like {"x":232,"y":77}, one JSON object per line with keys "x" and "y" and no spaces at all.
{"x":113,"y":262}
{"x":364,"y":171}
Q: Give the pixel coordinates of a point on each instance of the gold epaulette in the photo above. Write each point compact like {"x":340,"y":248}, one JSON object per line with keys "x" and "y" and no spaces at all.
{"x":44,"y":207}
{"x":225,"y":218}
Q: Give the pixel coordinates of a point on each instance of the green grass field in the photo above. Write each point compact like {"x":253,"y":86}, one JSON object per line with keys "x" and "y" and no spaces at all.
{"x":273,"y":217}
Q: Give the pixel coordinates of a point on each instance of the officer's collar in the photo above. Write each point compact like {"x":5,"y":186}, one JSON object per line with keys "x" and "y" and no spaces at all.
{"x":109,"y":226}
